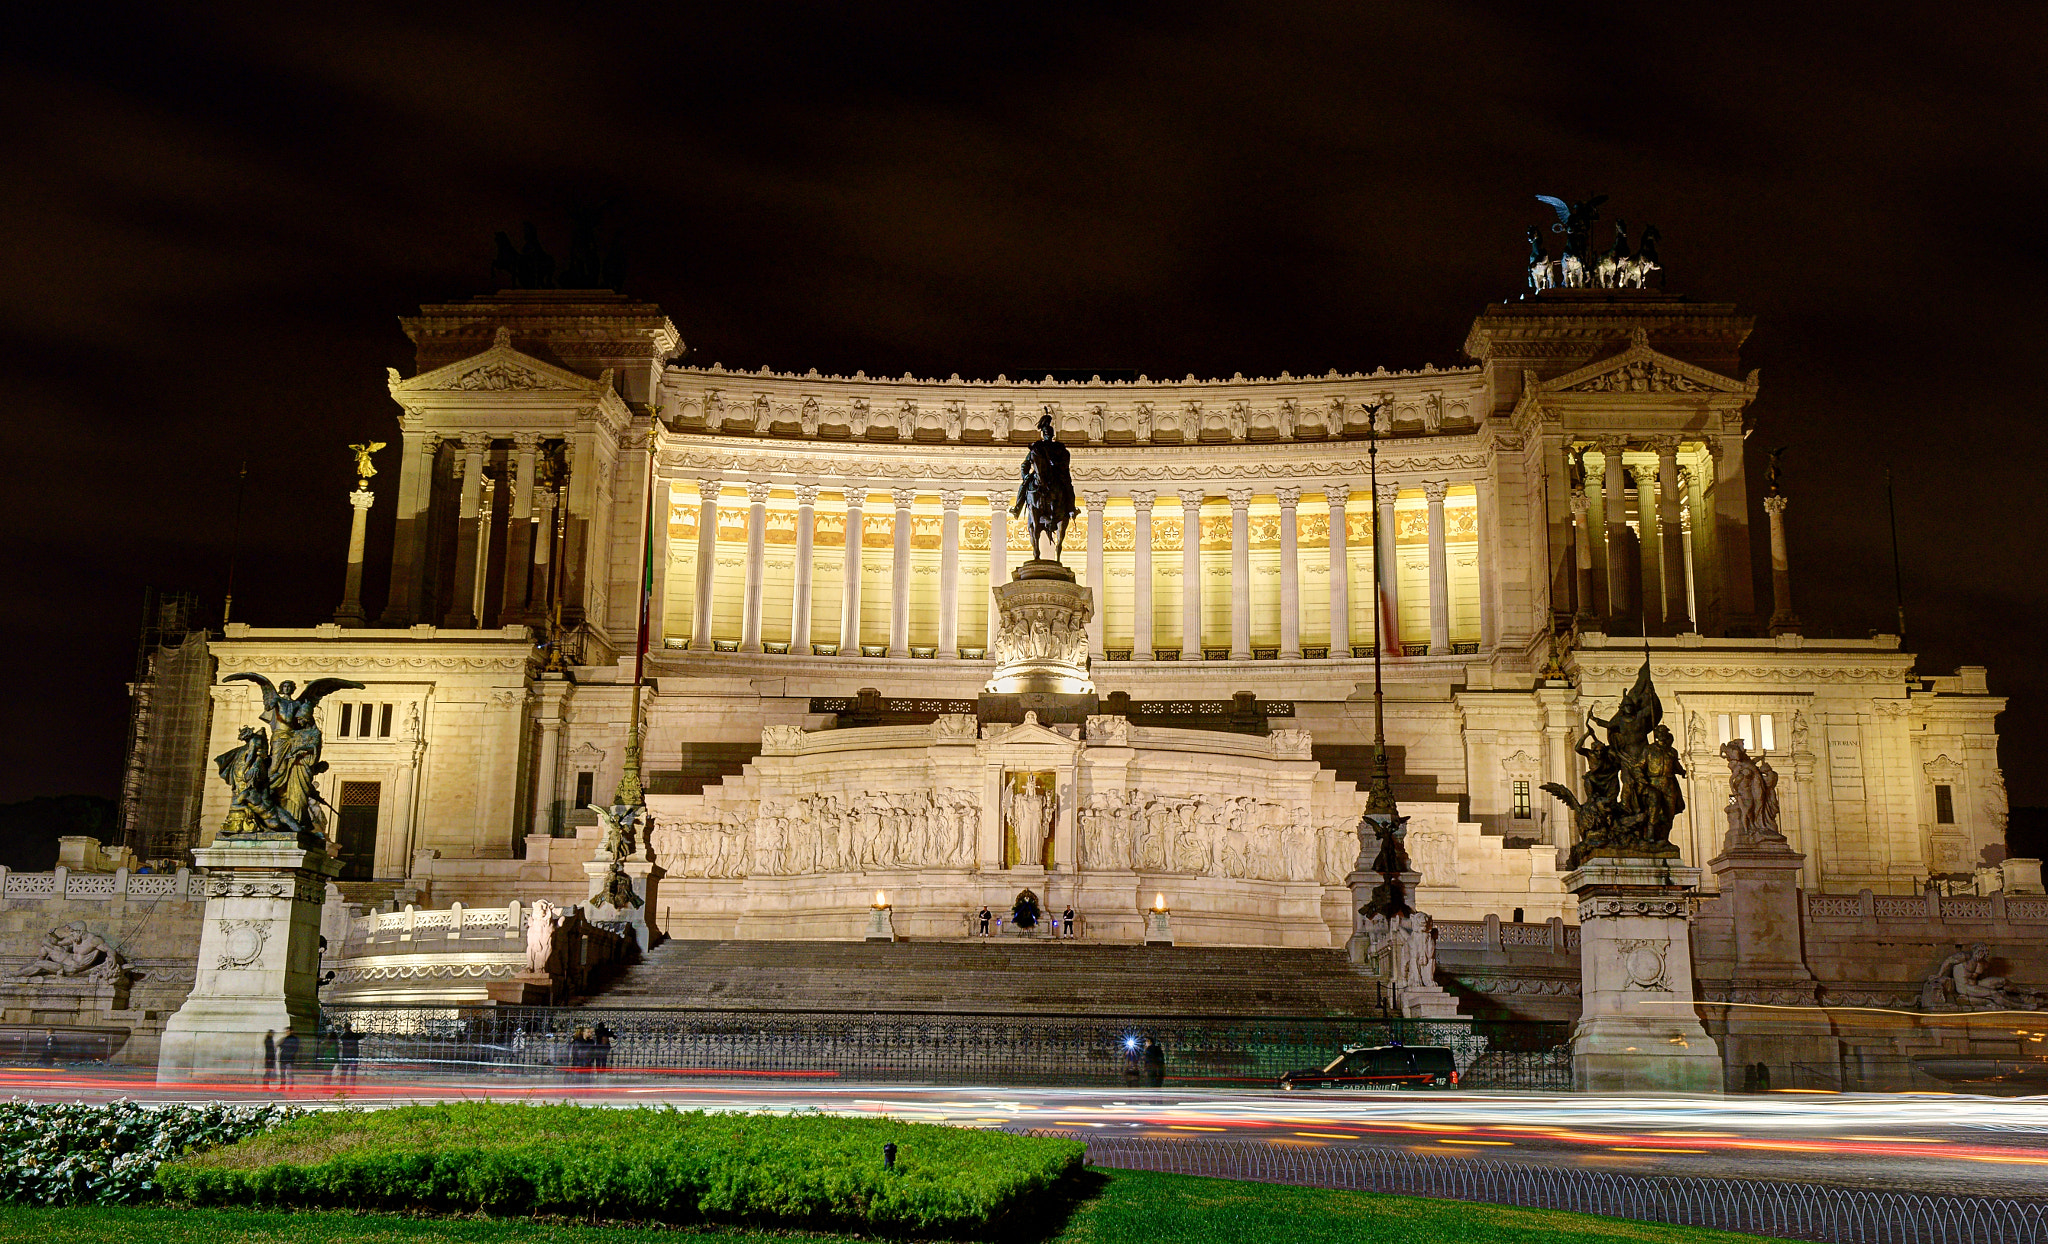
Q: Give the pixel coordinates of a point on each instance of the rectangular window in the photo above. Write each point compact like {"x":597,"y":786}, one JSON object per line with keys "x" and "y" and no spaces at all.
{"x":1521,"y":800}
{"x":347,"y":717}
{"x":384,"y":723}
{"x":586,"y":785}
{"x":1766,"y":739}
{"x":1723,"y":734}
{"x":1944,"y":805}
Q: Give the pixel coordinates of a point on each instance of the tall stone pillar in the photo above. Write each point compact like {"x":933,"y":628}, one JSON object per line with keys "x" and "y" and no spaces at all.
{"x":1731,"y":536}
{"x":1783,"y":620}
{"x":1096,"y":501}
{"x":1560,"y":721}
{"x":1240,"y":574}
{"x":1650,"y":551}
{"x":899,"y":577}
{"x":1583,"y":556}
{"x":757,"y":565}
{"x":1290,"y":573}
{"x":998,"y":559}
{"x":1338,"y":496}
{"x":581,"y":554}
{"x":351,"y":611}
{"x":1671,"y":529}
{"x":1439,"y":571}
{"x":1637,"y":1031}
{"x":519,"y":529}
{"x":258,"y":969}
{"x":949,"y":574}
{"x":1191,"y":574}
{"x":552,"y":693}
{"x":464,"y":606}
{"x":486,"y":516}
{"x":1598,"y":491}
{"x":849,"y":592}
{"x":1614,"y":487}
{"x":409,"y":536}
{"x":538,"y":596}
{"x":707,"y":563}
{"x":1386,"y":571}
{"x":800,"y":586}
{"x":1141,"y":577}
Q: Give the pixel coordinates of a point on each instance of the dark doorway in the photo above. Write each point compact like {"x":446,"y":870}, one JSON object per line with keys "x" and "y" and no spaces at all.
{"x":357,"y":829}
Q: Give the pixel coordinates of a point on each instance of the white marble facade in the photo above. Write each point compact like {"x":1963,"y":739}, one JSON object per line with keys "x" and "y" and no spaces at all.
{"x":1586,"y":474}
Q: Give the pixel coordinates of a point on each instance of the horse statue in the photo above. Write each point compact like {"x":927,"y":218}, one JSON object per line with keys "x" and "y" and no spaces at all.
{"x":1045,"y":491}
{"x":1636,"y":270}
{"x":1575,"y":222}
{"x":1608,"y":271}
{"x":1542,"y":273}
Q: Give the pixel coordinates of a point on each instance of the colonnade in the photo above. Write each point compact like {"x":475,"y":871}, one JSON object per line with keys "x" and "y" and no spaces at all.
{"x":1149,"y":615}
{"x":1640,"y":572}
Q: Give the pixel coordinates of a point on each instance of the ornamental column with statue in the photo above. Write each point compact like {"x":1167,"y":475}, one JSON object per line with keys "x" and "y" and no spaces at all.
{"x":258,"y":972}
{"x":351,"y":611}
{"x":1638,"y":1030}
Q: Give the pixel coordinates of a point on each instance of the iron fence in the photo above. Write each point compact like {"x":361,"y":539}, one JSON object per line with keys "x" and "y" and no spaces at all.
{"x":916,"y":1047}
{"x":1770,"y":1208}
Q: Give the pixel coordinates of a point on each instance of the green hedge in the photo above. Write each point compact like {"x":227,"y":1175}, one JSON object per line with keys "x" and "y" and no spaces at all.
{"x":108,"y":1155}
{"x":805,"y":1171}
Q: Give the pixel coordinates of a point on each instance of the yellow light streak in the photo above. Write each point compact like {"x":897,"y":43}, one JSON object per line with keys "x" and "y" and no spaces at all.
{"x":1652,"y":1149}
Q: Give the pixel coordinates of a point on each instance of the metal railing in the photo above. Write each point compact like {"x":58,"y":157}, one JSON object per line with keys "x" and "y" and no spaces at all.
{"x":921,"y":1047}
{"x":1760,"y":1207}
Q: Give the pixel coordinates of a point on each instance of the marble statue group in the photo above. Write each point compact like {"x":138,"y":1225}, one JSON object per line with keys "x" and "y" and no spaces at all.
{"x":272,"y":772}
{"x":1618,"y":267}
{"x":1632,"y":784}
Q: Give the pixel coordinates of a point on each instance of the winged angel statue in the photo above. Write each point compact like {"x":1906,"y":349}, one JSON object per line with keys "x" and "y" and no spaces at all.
{"x":1616,"y":268}
{"x":271,"y":774}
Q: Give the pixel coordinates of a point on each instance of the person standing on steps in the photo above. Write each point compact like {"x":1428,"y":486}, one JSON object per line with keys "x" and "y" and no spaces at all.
{"x":1068,"y":916}
{"x":984,"y":921}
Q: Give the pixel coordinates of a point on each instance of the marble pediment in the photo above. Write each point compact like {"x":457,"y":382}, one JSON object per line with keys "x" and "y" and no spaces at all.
{"x":1028,"y":736}
{"x":1641,"y":369}
{"x":500,"y":369}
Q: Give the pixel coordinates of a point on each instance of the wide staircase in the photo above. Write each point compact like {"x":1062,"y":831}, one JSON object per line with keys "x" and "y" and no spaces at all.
{"x":996,"y":976}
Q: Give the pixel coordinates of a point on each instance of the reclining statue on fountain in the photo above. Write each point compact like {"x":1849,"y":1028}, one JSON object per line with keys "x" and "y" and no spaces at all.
{"x":1632,"y":782}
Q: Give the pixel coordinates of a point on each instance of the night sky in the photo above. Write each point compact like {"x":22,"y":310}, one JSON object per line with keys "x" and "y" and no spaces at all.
{"x":210,"y":224}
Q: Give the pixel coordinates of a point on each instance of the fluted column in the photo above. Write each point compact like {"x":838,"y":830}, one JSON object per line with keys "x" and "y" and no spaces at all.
{"x":1439,"y":571}
{"x":1614,"y":481}
{"x":757,"y":565}
{"x":1386,"y":572}
{"x":1191,"y":574}
{"x":538,"y":599}
{"x":1095,"y":501}
{"x":899,"y":576}
{"x":1783,"y":620}
{"x":1598,"y":490}
{"x":1290,"y":573}
{"x":519,"y":529}
{"x":409,"y":533}
{"x":998,"y":559}
{"x":1141,"y":577}
{"x":1583,"y":556}
{"x":1240,"y":574}
{"x":949,"y":575}
{"x":800,"y":587}
{"x":463,"y":605}
{"x":849,"y":592}
{"x":1340,"y":569}
{"x":1671,"y":530}
{"x":351,"y":611}
{"x":486,"y":503}
{"x":707,"y":563}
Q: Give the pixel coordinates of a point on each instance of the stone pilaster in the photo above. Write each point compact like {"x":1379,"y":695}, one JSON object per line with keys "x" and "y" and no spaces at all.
{"x":757,"y":567}
{"x":1339,"y":495}
{"x":1637,"y":1029}
{"x":1290,"y":572}
{"x":351,"y":611}
{"x":258,"y":967}
{"x":409,"y":533}
{"x":552,"y":694}
{"x":1141,"y":577}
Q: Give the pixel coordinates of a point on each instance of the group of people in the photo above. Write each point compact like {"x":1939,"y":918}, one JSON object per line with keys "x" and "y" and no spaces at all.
{"x":1062,"y":921}
{"x":283,"y":1058}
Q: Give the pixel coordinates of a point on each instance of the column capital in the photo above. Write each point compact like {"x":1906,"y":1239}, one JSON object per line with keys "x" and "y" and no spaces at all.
{"x":806,"y":494}
{"x":1645,"y":474}
{"x":1192,"y":498}
{"x":525,"y":442}
{"x":362,"y":497}
{"x":476,"y":442}
{"x":708,"y":488}
{"x":1141,"y":499}
{"x":1774,"y":505}
{"x":1388,"y":494}
{"x":1612,"y":446}
{"x":1435,"y":490}
{"x":951,"y":498}
{"x":1580,"y":505}
{"x":1239,"y":498}
{"x":758,"y":490}
{"x":999,"y":499}
{"x":905,"y":495}
{"x":1289,"y":496}
{"x":544,"y":498}
{"x":1666,"y":446}
{"x":855,"y":490}
{"x":1336,"y":494}
{"x":1095,"y":498}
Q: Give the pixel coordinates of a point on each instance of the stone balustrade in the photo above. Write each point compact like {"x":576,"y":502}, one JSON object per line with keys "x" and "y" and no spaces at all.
{"x":185,"y":885}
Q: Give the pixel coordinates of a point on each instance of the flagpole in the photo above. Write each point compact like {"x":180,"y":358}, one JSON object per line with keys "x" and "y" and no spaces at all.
{"x":630,"y":794}
{"x":1379,"y":799}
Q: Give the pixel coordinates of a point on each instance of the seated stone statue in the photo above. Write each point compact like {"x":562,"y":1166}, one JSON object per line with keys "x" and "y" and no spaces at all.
{"x":74,"y":951}
{"x":1964,"y":981}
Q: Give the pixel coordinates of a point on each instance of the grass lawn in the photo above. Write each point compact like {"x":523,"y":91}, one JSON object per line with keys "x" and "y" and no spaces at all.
{"x":1128,"y":1207}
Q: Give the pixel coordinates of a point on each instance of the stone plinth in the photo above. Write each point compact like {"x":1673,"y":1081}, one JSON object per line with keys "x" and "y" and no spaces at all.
{"x":881,"y":924}
{"x":1158,"y":928}
{"x":638,"y":917}
{"x":1638,"y":1031}
{"x":1041,"y":641}
{"x":1760,"y":886}
{"x":259,"y":954}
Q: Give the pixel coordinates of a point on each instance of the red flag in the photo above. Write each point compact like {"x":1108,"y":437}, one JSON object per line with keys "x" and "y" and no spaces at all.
{"x":1389,"y":635}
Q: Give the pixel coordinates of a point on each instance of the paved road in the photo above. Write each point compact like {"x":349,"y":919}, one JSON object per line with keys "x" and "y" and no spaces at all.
{"x":1976,"y":1145}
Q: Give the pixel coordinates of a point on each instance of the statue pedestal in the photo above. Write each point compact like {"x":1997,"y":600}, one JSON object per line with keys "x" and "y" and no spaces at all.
{"x":1158,"y":928}
{"x":1760,"y":889}
{"x":595,"y":909}
{"x":1637,"y":1030}
{"x":259,"y":955}
{"x":881,"y":924}
{"x":1041,"y":642}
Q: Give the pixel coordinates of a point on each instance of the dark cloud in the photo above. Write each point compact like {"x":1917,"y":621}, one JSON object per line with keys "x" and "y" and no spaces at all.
{"x":212,"y":220}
